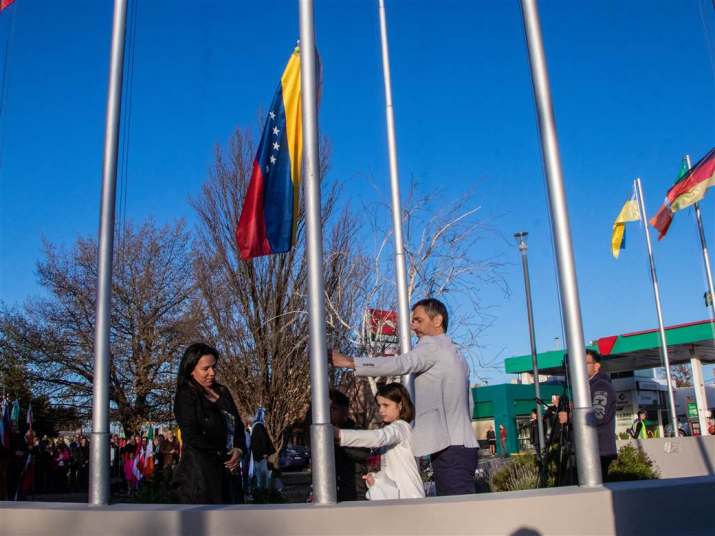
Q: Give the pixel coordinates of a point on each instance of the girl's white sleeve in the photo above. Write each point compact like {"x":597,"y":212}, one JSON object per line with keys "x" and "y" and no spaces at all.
{"x":392,"y":434}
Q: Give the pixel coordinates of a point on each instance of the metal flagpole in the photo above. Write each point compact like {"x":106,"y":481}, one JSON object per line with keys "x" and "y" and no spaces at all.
{"x":706,"y":256}
{"x":588,"y":462}
{"x":403,"y":304}
{"x":656,"y":293}
{"x":695,"y":363}
{"x":321,"y":431}
{"x":99,"y":445}
{"x":521,"y":241}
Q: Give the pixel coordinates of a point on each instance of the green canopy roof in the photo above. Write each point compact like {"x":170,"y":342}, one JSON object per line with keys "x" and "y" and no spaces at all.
{"x":633,"y":351}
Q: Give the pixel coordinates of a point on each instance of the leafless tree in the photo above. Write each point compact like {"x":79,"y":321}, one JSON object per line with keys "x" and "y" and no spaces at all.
{"x":153,"y":317}
{"x":441,"y":237}
{"x":256,"y":311}
{"x":682,"y":375}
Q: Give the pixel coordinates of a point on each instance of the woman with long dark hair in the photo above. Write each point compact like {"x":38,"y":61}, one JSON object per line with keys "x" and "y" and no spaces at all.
{"x":212,"y":433}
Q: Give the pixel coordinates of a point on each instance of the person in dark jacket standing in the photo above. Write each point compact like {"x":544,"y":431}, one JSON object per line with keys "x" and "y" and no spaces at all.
{"x":212,"y":432}
{"x":350,"y":462}
{"x":603,"y":401}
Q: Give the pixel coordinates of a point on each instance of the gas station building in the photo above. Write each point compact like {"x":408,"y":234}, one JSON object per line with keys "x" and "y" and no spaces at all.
{"x":629,"y":359}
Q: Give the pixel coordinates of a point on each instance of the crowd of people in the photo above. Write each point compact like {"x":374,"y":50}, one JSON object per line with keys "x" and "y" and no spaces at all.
{"x":30,"y":465}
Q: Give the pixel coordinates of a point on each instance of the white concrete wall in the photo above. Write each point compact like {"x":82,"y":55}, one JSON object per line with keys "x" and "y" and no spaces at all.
{"x":662,"y":507}
{"x":679,"y":457}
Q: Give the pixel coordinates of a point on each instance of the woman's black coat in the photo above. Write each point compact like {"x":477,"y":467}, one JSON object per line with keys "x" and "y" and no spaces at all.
{"x":201,"y":477}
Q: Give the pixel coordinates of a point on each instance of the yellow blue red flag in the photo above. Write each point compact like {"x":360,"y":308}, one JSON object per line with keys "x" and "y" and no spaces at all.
{"x":628,"y":213}
{"x":267,"y":224}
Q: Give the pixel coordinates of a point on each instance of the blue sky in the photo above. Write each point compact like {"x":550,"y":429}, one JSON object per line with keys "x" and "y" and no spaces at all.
{"x":633,"y":86}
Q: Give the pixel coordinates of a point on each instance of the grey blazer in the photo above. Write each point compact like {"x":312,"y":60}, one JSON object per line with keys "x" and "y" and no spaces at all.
{"x":442,"y":399}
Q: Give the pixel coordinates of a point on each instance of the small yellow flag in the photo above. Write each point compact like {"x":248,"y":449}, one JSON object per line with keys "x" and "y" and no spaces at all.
{"x":629,"y":212}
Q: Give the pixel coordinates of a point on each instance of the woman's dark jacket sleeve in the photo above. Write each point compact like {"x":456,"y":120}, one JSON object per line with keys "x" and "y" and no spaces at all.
{"x":187,"y":408}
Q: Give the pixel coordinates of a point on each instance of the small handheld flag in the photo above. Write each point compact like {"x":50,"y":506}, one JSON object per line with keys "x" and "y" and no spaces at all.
{"x":628,"y":213}
{"x":267,"y":224}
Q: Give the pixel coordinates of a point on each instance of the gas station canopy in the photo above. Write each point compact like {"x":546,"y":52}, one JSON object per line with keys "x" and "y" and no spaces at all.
{"x":633,"y":351}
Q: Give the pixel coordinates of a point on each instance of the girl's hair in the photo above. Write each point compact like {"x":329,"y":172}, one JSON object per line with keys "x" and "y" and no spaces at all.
{"x":191,"y":357}
{"x":397,"y":393}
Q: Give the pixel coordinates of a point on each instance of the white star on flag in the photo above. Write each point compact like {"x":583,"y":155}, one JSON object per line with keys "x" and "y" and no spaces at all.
{"x":276,"y":131}
{"x":273,"y":116}
{"x":276,"y":146}
{"x":273,"y":159}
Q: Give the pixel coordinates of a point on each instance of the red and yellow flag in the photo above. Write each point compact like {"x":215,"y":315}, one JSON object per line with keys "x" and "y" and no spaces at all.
{"x":687,"y":190}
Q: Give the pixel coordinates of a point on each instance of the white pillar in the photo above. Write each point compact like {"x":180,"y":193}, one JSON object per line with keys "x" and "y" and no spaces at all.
{"x":700,"y":395}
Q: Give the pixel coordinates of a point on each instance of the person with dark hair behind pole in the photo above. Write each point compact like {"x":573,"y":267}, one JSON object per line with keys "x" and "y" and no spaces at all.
{"x":350,"y":462}
{"x":211,"y":430}
{"x":443,"y":402}
{"x":603,"y":401}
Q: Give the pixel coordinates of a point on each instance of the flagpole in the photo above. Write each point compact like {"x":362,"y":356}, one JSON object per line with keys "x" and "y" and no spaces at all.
{"x":706,"y":256}
{"x":400,"y":273}
{"x":99,"y":445}
{"x":656,"y":293}
{"x":695,"y":363}
{"x":586,"y":441}
{"x":321,"y":431}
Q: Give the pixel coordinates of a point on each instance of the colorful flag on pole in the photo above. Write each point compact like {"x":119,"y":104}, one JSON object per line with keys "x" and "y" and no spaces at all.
{"x":628,"y":213}
{"x":267,"y":224}
{"x":5,"y":423}
{"x":30,"y":434}
{"x":689,"y":188}
{"x":5,"y":3}
{"x":15,"y":413}
{"x":148,"y":469}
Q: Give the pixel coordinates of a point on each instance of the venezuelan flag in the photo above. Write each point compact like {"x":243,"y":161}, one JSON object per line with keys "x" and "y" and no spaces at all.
{"x":267,"y":224}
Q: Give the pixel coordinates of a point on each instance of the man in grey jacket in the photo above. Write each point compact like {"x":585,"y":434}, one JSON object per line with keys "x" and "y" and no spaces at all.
{"x":443,"y":427}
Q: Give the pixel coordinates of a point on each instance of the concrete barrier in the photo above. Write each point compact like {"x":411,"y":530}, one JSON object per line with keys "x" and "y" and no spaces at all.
{"x":679,"y":457}
{"x":675,"y":506}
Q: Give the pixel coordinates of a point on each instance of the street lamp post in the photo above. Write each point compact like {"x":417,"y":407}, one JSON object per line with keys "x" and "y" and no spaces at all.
{"x":521,"y":242}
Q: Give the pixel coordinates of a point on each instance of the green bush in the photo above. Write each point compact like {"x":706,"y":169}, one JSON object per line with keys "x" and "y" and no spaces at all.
{"x":519,"y":473}
{"x":632,"y":464}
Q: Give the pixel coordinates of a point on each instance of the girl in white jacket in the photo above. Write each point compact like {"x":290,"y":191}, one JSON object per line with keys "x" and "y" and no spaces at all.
{"x":398,"y":477}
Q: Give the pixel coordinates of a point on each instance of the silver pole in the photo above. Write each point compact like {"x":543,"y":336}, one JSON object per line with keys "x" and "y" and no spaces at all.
{"x":521,"y":241}
{"x":99,"y":445}
{"x":403,"y":301}
{"x":321,"y":431}
{"x":656,"y":294}
{"x":588,"y":462}
{"x":706,"y":256}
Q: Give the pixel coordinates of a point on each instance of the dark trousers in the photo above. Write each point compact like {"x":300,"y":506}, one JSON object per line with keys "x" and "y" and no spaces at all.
{"x":605,"y":462}
{"x":453,"y":470}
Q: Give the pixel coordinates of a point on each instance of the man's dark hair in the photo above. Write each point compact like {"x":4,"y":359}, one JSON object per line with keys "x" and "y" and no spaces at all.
{"x":642,"y":412}
{"x":594,"y":354}
{"x":339,"y":399}
{"x":432,"y":307}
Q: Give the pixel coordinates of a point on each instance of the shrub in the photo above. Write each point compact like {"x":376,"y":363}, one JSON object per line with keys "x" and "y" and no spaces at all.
{"x":632,"y":464}
{"x":519,"y":473}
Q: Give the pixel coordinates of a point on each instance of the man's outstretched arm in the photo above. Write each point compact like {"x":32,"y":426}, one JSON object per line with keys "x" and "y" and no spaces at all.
{"x":416,"y":361}
{"x":341,"y":360}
